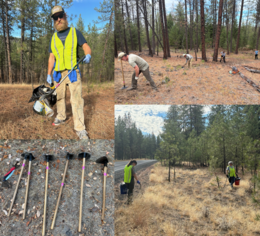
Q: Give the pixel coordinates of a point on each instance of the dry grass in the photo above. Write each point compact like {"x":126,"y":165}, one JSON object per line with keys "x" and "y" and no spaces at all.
{"x":190,"y":205}
{"x":205,"y":83}
{"x":18,"y":121}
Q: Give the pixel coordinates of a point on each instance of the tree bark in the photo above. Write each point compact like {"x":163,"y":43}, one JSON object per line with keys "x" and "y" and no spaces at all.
{"x":233,"y":19}
{"x":153,"y":38}
{"x":163,"y":31}
{"x":129,"y":25}
{"x":138,"y":26}
{"x":8,"y":45}
{"x":186,"y":28}
{"x":125,"y":39}
{"x":257,"y":41}
{"x":22,"y":51}
{"x":166,"y":30}
{"x":215,"y":56}
{"x":239,"y":27}
{"x":197,"y":26}
{"x":227,"y":26}
{"x":203,"y":49}
{"x":146,"y":27}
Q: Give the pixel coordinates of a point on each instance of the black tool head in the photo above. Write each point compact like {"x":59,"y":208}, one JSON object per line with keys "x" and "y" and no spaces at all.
{"x":69,"y":156}
{"x":31,"y":157}
{"x":102,"y":160}
{"x":25,"y":155}
{"x":84,"y":155}
{"x":48,"y":157}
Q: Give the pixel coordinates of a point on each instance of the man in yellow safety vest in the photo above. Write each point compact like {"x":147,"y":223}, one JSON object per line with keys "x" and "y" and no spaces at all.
{"x":231,"y":173}
{"x":129,"y":176}
{"x":63,"y":50}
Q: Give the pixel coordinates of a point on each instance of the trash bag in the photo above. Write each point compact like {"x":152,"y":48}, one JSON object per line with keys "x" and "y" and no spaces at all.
{"x":43,"y":107}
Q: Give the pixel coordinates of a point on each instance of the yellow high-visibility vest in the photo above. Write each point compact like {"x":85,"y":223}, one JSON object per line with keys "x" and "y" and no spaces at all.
{"x":66,"y":56}
{"x":232,"y":172}
{"x":128,"y":174}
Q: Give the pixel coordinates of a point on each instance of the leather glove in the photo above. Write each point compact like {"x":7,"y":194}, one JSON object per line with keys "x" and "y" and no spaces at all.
{"x":136,"y":77}
{"x":138,"y":182}
{"x":87,"y":59}
{"x":49,"y":80}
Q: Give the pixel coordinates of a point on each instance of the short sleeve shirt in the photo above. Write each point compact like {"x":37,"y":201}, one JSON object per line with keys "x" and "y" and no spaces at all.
{"x":135,"y":60}
{"x":62,"y":35}
{"x":188,"y":57}
{"x":256,"y":52}
{"x":133,"y":171}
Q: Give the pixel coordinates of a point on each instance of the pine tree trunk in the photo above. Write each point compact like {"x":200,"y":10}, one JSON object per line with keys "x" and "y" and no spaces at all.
{"x":227,"y":26}
{"x":129,"y":25}
{"x":8,"y":45}
{"x":186,"y":27}
{"x":191,"y":26}
{"x":146,"y":28}
{"x":257,"y":41}
{"x":153,"y":38}
{"x":197,"y":26}
{"x":203,"y":49}
{"x":138,"y":26}
{"x":239,"y":27}
{"x":233,"y":19}
{"x":215,"y":56}
{"x":22,"y":51}
{"x":166,"y":30}
{"x":123,"y":22}
{"x":163,"y":31}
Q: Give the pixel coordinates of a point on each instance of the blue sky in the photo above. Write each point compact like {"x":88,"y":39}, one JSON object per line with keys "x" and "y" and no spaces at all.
{"x":148,"y":118}
{"x":83,"y":7}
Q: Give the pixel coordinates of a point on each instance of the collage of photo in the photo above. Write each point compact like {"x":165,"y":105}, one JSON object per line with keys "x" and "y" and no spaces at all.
{"x":129,"y":118}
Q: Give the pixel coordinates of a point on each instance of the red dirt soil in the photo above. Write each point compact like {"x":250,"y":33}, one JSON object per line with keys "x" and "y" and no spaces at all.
{"x":206,"y":83}
{"x":18,"y":120}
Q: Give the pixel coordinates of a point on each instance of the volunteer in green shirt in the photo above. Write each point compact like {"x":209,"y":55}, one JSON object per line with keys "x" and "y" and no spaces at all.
{"x":129,"y":176}
{"x":231,"y":173}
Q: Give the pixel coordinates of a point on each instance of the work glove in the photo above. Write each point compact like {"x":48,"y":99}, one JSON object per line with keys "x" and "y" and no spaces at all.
{"x":87,"y":59}
{"x":136,"y":77}
{"x":138,"y":182}
{"x":49,"y":80}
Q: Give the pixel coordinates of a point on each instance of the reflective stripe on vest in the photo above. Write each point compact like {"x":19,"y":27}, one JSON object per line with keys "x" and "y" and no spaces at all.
{"x":128,"y":174}
{"x":232,"y":172}
{"x":66,"y":56}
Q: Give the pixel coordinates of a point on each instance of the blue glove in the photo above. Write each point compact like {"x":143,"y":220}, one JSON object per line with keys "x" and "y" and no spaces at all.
{"x":138,"y":182}
{"x":87,"y":59}
{"x":49,"y":80}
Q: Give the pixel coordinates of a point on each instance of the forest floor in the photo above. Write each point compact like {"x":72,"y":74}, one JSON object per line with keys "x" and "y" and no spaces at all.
{"x":205,"y":83}
{"x":190,"y":205}
{"x":19,"y":121}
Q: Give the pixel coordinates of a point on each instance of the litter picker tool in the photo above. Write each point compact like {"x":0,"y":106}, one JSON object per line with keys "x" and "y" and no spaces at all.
{"x":124,"y":87}
{"x":47,"y":158}
{"x":68,"y":157}
{"x":84,"y":156}
{"x":31,"y":158}
{"x":53,"y":90}
{"x":11,"y":171}
{"x":103,"y":160}
{"x":25,"y":156}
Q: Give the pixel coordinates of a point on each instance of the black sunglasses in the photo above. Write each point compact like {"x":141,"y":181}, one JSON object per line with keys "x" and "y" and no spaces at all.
{"x":58,"y":16}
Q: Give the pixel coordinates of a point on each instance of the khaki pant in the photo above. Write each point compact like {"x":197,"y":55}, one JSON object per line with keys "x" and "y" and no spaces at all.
{"x":76,"y":100}
{"x":147,"y":75}
{"x":190,"y":63}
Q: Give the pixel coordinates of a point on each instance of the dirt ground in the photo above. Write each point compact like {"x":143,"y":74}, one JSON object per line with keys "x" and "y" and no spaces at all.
{"x":205,"y":83}
{"x":68,"y":213}
{"x":19,"y":121}
{"x":190,"y":205}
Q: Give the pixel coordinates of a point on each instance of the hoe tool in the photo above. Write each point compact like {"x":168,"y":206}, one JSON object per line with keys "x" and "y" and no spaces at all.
{"x":31,"y":158}
{"x":84,"y":156}
{"x":69,"y":156}
{"x":103,"y":160}
{"x":124,"y":87}
{"x":52,"y":91}
{"x":47,"y":158}
{"x":25,"y":155}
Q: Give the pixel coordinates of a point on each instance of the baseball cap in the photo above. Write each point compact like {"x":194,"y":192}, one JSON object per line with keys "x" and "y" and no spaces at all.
{"x":56,"y":9}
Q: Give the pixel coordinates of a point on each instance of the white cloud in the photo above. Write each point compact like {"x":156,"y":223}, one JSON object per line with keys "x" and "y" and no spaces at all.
{"x":147,"y":117}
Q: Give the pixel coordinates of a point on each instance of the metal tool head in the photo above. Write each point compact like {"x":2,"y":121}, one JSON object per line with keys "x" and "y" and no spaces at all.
{"x":31,"y":157}
{"x":69,"y":156}
{"x":25,"y":155}
{"x":102,"y":160}
{"x":124,"y":87}
{"x":48,"y":158}
{"x":85,"y":155}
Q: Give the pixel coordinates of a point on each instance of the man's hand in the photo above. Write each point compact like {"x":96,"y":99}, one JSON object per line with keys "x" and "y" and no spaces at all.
{"x":138,"y":182}
{"x":136,"y":77}
{"x":49,"y":80}
{"x":87,"y":59}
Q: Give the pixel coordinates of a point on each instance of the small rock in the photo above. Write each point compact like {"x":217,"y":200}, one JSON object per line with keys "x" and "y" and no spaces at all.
{"x":5,"y":212}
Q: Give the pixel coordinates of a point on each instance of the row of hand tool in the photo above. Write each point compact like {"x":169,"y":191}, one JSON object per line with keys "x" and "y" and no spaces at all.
{"x":85,"y":156}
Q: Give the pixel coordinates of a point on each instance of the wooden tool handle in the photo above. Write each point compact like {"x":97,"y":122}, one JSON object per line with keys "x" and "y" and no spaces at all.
{"x":16,"y":189}
{"x":104,"y":193}
{"x":58,"y":202}
{"x":81,"y":194}
{"x":27,"y":189}
{"x":45,"y":200}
